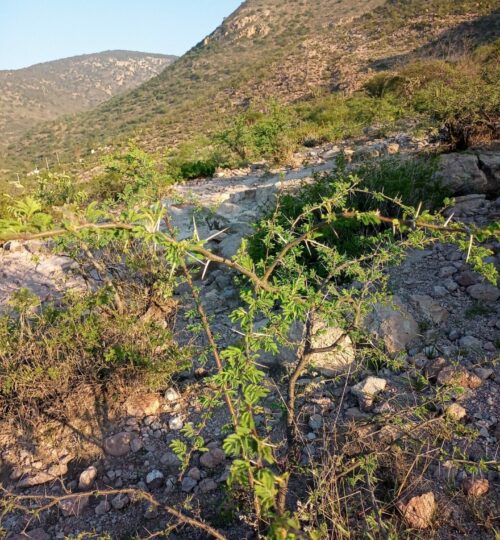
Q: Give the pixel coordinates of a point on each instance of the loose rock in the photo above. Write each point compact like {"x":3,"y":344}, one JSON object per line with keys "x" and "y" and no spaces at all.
{"x":393,"y":324}
{"x":315,"y":422}
{"x":136,"y":444}
{"x":74,"y":506}
{"x":102,"y":508}
{"x":456,"y":411}
{"x":171,"y":395}
{"x":477,"y":487}
{"x":366,"y":390}
{"x":142,"y":405}
{"x":175,"y":423}
{"x":430,"y":308}
{"x":118,"y":445}
{"x":451,"y":376}
{"x":418,"y":512}
{"x":120,"y":501}
{"x":213,"y":458}
{"x":154,"y":479}
{"x":87,"y":478}
{"x":207,"y":485}
{"x":188,"y":484}
{"x":484,"y":292}
{"x":53,"y":473}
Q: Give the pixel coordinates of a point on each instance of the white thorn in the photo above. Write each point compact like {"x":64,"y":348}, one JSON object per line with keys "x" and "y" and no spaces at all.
{"x":205,"y":270}
{"x":446,"y":223}
{"x":215,"y":234}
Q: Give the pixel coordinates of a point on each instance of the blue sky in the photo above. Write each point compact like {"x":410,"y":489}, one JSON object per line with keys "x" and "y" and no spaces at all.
{"x":33,"y":31}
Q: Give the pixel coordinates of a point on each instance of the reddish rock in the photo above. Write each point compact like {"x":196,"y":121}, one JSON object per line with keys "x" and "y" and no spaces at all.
{"x":434,"y":366}
{"x":477,"y":487}
{"x":418,"y":511}
{"x":142,"y":405}
{"x":451,"y":376}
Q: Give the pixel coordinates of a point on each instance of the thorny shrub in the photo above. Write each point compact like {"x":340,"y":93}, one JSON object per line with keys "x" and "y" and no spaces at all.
{"x":300,"y":271}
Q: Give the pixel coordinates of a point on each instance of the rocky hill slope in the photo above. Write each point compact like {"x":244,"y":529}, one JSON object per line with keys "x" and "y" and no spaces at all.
{"x":52,"y":89}
{"x":269,"y":49}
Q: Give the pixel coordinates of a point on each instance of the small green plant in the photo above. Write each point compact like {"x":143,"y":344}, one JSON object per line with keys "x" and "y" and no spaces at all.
{"x":478,"y":310}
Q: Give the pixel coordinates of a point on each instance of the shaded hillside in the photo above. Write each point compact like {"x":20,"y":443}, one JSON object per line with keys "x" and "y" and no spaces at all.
{"x":288,"y":50}
{"x":48,"y":90}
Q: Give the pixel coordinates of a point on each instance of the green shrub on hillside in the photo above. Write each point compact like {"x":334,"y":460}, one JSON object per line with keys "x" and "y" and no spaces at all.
{"x":58,"y":189}
{"x":407,"y":182}
{"x":46,"y":354}
{"x":128,"y":174}
{"x":258,"y":134}
{"x":196,"y":158}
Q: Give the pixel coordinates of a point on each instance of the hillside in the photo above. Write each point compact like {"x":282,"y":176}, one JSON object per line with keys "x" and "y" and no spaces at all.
{"x":267,"y":49}
{"x":257,"y":297}
{"x":51,"y":89}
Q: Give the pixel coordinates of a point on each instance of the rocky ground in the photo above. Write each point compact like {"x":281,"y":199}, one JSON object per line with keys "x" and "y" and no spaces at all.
{"x":442,"y":326}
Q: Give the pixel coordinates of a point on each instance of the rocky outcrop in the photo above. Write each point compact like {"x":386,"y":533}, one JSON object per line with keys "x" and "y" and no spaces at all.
{"x":470,"y":173}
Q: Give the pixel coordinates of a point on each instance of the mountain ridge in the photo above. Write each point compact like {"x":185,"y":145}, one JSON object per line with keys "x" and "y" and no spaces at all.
{"x":47,"y":90}
{"x":267,"y":50}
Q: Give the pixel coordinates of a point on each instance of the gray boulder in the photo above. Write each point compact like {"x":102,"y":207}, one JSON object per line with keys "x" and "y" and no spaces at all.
{"x":460,"y":173}
{"x":392,"y":323}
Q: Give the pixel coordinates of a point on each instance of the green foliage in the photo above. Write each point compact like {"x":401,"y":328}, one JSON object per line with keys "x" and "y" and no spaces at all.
{"x":47,"y":353}
{"x":462,"y":93}
{"x":25,"y":215}
{"x":320,"y":257}
{"x":336,"y":117}
{"x":198,"y":169}
{"x":400,"y":182}
{"x":259,"y":134}
{"x":194,"y":159}
{"x":128,"y":175}
{"x":58,"y":189}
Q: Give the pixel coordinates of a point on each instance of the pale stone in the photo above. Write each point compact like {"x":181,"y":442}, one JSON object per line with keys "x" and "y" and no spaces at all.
{"x":53,"y":473}
{"x":456,"y":411}
{"x":87,"y":478}
{"x":430,"y":308}
{"x":366,"y":390}
{"x":392,"y":323}
{"x":477,"y":487}
{"x":461,"y":174}
{"x":175,"y":423}
{"x":74,"y":506}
